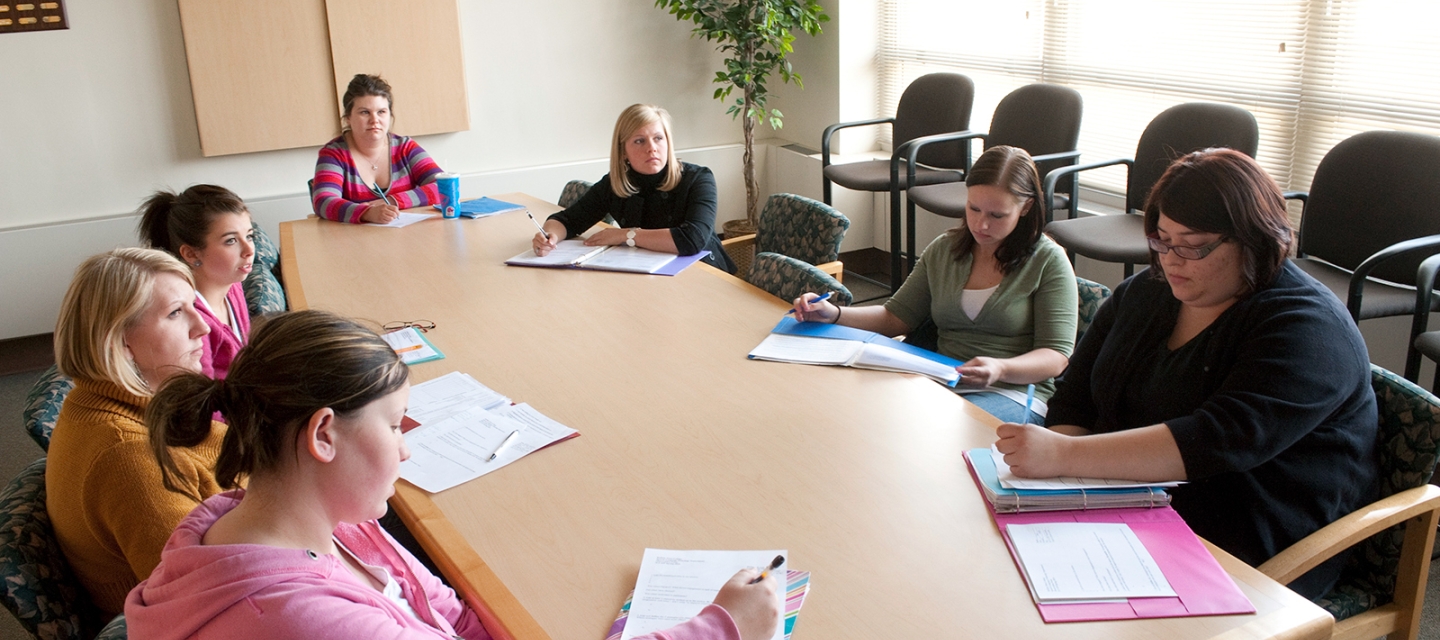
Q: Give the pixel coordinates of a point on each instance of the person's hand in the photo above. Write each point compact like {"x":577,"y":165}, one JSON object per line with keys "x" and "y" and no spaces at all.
{"x":379,"y":212}
{"x":755,"y":608}
{"x":607,"y":237}
{"x":543,"y":245}
{"x":1032,"y":451}
{"x":806,"y":311}
{"x":981,"y":371}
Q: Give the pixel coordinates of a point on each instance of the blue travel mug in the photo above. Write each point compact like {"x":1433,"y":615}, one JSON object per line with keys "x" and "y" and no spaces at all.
{"x":449,"y":184}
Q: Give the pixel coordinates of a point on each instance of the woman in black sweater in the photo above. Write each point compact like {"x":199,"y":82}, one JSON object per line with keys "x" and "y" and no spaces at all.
{"x":658,"y":202}
{"x":1223,"y":365}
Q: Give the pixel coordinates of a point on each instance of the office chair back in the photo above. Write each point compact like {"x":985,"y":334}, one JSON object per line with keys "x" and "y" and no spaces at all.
{"x":1184,"y":128}
{"x":42,"y":405}
{"x":1041,"y":119}
{"x":38,"y":586}
{"x":801,"y":228}
{"x":936,"y":103}
{"x":264,"y":293}
{"x":786,"y":278}
{"x":1372,"y":190}
{"x":1092,"y":295}
{"x":572,"y":192}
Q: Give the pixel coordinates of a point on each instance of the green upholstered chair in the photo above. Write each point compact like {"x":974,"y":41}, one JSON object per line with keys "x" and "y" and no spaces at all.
{"x":786,"y":278}
{"x":797,"y":227}
{"x":1092,"y":295}
{"x":1382,"y":587}
{"x":39,"y":588}
{"x":263,"y":292}
{"x":572,"y":192}
{"x":42,"y":405}
{"x":114,"y":631}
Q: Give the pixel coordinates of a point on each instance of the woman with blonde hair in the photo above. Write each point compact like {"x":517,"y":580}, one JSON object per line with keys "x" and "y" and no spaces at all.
{"x":314,"y":404}
{"x":657,"y":201}
{"x":127,"y":324}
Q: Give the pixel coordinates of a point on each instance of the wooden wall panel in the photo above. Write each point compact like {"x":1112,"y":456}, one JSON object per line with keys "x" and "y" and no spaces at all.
{"x":260,"y":74}
{"x":415,"y":45}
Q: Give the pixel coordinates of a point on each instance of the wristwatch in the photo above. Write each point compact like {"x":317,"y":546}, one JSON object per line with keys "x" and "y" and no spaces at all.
{"x":630,"y":238}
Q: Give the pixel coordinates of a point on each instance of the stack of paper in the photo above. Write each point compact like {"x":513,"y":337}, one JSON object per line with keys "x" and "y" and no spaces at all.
{"x":673,"y":586}
{"x":574,"y":254}
{"x":1008,"y":493}
{"x":829,"y":344}
{"x":1086,"y":562}
{"x":412,"y":346}
{"x":461,"y":424}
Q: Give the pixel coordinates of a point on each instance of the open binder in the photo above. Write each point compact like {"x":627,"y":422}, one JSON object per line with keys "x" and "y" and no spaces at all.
{"x":832,"y":344}
{"x":1006,"y":500}
{"x":574,"y":254}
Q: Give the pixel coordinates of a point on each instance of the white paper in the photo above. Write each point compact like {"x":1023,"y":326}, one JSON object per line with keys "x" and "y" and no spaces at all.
{"x":454,"y":450}
{"x":408,"y":343}
{"x":450,"y":394}
{"x":1009,"y":480}
{"x":1068,"y":561}
{"x":405,"y":219}
{"x":875,"y":356}
{"x":674,"y":586}
{"x":632,"y":259}
{"x":566,"y":252}
{"x":806,"y":350}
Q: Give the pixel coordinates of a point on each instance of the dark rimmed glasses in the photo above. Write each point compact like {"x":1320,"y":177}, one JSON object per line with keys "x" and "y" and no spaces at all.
{"x":423,"y":326}
{"x":1182,"y":251}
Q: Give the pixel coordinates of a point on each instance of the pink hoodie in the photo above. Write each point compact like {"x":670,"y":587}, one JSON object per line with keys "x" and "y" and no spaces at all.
{"x":221,"y":345}
{"x":254,"y":591}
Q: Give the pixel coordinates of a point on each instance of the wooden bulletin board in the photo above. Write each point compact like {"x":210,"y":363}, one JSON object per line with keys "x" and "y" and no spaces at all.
{"x":260,"y":74}
{"x":415,"y":46}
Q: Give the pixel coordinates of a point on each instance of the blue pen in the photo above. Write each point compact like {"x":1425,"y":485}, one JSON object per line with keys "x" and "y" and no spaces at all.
{"x":815,"y":301}
{"x":1029,"y":400}
{"x":383,"y":195}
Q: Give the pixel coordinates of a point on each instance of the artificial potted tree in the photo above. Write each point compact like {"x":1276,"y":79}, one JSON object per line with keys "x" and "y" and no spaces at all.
{"x":757,"y":36}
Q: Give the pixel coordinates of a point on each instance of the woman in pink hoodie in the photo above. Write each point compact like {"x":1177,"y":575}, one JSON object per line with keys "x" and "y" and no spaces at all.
{"x":314,"y":404}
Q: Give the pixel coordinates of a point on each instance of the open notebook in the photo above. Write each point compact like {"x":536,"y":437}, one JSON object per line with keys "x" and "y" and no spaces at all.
{"x":829,"y":344}
{"x":574,"y":254}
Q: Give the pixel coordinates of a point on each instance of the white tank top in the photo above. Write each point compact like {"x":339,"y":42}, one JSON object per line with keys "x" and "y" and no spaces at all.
{"x":973,"y":300}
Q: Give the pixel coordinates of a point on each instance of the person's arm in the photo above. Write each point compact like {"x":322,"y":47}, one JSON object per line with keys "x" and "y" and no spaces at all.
{"x":585,"y":213}
{"x":327,"y":195}
{"x":741,"y":611}
{"x":702,"y":201}
{"x":1147,"y":454}
{"x":126,"y":499}
{"x":1054,"y":304}
{"x":877,"y":319}
{"x":442,"y":598}
{"x":407,"y":153}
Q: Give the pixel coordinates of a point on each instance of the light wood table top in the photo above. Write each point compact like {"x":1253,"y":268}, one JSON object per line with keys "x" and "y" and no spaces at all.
{"x":686,"y":444}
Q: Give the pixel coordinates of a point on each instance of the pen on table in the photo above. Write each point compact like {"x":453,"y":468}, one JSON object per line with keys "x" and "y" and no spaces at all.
{"x":503,"y":443}
{"x":815,"y":301}
{"x":543,"y":232}
{"x":1029,"y":400}
{"x":774,"y":564}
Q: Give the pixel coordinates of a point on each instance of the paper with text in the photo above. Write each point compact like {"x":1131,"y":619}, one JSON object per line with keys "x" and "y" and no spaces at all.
{"x":447,"y":395}
{"x":454,"y":450}
{"x":783,"y":348}
{"x":405,"y":219}
{"x":1073,"y":561}
{"x":674,"y":586}
{"x":565,"y":253}
{"x":412,"y":346}
{"x":632,"y":259}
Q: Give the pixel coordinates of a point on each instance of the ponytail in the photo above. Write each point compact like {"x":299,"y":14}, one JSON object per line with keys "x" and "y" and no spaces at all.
{"x":155,"y":221}
{"x":179,"y":416}
{"x":169,"y":221}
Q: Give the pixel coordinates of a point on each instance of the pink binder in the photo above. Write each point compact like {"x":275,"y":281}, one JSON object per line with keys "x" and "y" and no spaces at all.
{"x":1202,"y":587}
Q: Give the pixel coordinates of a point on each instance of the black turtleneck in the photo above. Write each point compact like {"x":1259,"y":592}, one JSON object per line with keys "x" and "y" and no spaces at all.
{"x":688,"y":211}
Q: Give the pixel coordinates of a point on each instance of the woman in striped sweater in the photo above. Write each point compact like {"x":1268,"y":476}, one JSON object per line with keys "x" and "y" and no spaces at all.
{"x":369,"y":174}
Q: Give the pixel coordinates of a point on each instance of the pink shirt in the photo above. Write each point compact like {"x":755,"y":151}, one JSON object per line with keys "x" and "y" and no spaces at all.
{"x":221,"y":344}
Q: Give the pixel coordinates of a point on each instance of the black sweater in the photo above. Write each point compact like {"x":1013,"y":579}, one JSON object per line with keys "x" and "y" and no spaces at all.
{"x":1271,"y":407}
{"x":688,"y":211}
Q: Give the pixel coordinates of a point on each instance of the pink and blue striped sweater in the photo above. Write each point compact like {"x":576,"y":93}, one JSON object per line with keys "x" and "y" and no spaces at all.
{"x":339,"y":194}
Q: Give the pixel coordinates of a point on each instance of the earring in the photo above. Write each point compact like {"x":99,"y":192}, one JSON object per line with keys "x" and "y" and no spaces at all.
{"x":197,"y":263}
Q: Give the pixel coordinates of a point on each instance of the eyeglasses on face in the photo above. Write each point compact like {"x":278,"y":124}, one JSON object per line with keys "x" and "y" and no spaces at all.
{"x":423,"y":326}
{"x":1182,"y":251}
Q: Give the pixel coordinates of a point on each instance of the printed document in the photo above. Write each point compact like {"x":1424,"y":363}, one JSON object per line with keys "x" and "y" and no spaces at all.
{"x":412,"y":346}
{"x":447,"y":395}
{"x":1089,"y":561}
{"x":455,"y":450}
{"x":674,"y":586}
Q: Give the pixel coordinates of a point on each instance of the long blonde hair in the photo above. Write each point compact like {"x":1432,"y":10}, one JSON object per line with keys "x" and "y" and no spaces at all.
{"x":107,"y":296}
{"x":630,"y":121}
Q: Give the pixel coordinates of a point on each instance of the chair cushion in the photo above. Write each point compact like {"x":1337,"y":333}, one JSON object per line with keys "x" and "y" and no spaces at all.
{"x":1112,"y":238}
{"x":1407,"y":444}
{"x":801,"y":228}
{"x":874,"y":175}
{"x":572,"y":192}
{"x":1092,"y":295}
{"x":943,"y":199}
{"x":786,"y":278}
{"x":42,"y":405}
{"x":1428,"y":344}
{"x":39,"y":587}
{"x":263,"y":292}
{"x":1380,"y":299}
{"x":116,"y":630}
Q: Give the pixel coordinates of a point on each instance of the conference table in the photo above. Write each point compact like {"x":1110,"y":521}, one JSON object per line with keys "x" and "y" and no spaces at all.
{"x":687,"y":444}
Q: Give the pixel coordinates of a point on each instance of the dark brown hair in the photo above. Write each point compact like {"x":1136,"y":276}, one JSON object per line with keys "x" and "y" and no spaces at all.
{"x":1012,"y":169}
{"x":366,"y":85}
{"x":169,"y":220}
{"x":295,"y":364}
{"x":1226,"y":192}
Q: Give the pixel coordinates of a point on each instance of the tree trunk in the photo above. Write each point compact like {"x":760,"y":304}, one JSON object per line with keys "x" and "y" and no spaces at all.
{"x":752,"y":188}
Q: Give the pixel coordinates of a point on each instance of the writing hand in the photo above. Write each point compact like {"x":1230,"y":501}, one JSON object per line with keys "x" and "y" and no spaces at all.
{"x":1032,"y":451}
{"x":606,"y":237}
{"x":807,"y":311}
{"x":543,"y":245}
{"x":755,"y":608}
{"x":981,"y":371}
{"x":379,"y":212}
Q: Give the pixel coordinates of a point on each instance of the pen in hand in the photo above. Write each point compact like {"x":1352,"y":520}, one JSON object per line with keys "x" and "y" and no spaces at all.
{"x":503,"y":443}
{"x":379,"y":192}
{"x":543,"y":232}
{"x":1029,"y":400}
{"x":815,"y":301}
{"x":774,"y":564}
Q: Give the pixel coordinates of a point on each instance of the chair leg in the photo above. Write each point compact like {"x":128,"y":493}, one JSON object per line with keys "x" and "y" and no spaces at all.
{"x":1129,"y":269}
{"x":896,"y":278}
{"x":909,"y":235}
{"x":825,"y":182}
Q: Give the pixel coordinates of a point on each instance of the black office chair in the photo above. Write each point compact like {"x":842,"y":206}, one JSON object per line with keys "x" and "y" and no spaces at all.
{"x":1175,"y":132}
{"x":933,"y":104}
{"x":1371,"y":217}
{"x":1042,"y":119}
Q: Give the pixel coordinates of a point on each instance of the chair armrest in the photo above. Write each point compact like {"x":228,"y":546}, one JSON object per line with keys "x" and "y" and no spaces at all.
{"x":830,"y":131}
{"x":1357,"y":279}
{"x":1302,"y":196}
{"x":739,"y":242}
{"x":1058,"y":155}
{"x":1424,"y":288}
{"x":835,"y":269}
{"x":1348,"y":531}
{"x":911,"y":149}
{"x":1053,"y":178}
